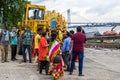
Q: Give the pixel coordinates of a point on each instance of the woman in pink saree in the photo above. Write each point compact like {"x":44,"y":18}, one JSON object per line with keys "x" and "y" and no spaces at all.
{"x":55,"y":58}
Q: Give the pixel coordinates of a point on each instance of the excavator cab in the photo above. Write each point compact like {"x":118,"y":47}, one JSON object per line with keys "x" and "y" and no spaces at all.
{"x":34,"y":17}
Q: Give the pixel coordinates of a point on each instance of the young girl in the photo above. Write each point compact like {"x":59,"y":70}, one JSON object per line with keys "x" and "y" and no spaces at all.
{"x":43,"y":52}
{"x":55,"y":58}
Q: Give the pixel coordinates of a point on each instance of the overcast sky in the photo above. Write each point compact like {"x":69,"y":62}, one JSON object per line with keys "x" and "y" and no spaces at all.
{"x":85,"y":10}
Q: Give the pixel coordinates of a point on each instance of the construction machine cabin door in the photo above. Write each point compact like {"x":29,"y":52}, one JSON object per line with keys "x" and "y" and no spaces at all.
{"x":35,"y":16}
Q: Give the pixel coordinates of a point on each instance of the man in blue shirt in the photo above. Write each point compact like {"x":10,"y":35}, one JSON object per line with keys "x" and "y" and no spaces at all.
{"x":65,"y":51}
{"x":13,"y":35}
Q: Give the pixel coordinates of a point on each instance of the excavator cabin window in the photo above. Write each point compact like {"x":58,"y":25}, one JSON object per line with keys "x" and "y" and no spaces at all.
{"x":35,"y":14}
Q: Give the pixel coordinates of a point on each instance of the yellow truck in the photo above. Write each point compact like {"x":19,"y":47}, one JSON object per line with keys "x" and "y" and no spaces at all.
{"x":36,"y":17}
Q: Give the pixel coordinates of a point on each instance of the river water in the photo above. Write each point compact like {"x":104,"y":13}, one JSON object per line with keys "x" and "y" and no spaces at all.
{"x":91,"y":30}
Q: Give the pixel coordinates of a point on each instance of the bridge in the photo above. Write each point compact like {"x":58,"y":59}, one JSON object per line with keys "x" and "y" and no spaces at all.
{"x":89,"y":23}
{"x":94,"y":24}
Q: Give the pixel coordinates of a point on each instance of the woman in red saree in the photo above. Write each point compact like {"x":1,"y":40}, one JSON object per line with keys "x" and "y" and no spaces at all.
{"x":55,"y":58}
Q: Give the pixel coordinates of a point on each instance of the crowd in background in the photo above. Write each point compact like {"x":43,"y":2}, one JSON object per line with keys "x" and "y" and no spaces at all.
{"x":51,"y":55}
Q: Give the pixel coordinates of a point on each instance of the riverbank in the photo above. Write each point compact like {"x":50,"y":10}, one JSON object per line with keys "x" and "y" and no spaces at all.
{"x":99,"y":64}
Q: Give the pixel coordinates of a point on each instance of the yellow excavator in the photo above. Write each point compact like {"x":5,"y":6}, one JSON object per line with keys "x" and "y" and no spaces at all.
{"x":36,"y":17}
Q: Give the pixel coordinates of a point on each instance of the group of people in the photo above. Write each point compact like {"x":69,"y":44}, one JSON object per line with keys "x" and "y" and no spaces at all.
{"x":52,"y":55}
{"x":73,"y":50}
{"x":13,"y":38}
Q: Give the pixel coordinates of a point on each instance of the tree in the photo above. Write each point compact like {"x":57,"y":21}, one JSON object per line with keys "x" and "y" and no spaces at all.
{"x":13,"y":11}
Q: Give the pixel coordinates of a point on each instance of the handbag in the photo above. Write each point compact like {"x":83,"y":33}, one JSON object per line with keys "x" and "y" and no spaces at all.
{"x":57,"y":59}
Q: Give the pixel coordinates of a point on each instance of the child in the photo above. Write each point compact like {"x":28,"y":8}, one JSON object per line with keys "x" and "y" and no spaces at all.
{"x":43,"y":52}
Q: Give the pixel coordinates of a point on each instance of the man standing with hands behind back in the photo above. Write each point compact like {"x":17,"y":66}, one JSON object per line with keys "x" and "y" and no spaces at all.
{"x":77,"y":49}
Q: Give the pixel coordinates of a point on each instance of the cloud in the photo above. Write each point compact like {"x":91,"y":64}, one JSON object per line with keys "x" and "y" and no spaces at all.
{"x":103,"y":8}
{"x":38,"y":1}
{"x":85,"y":10}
